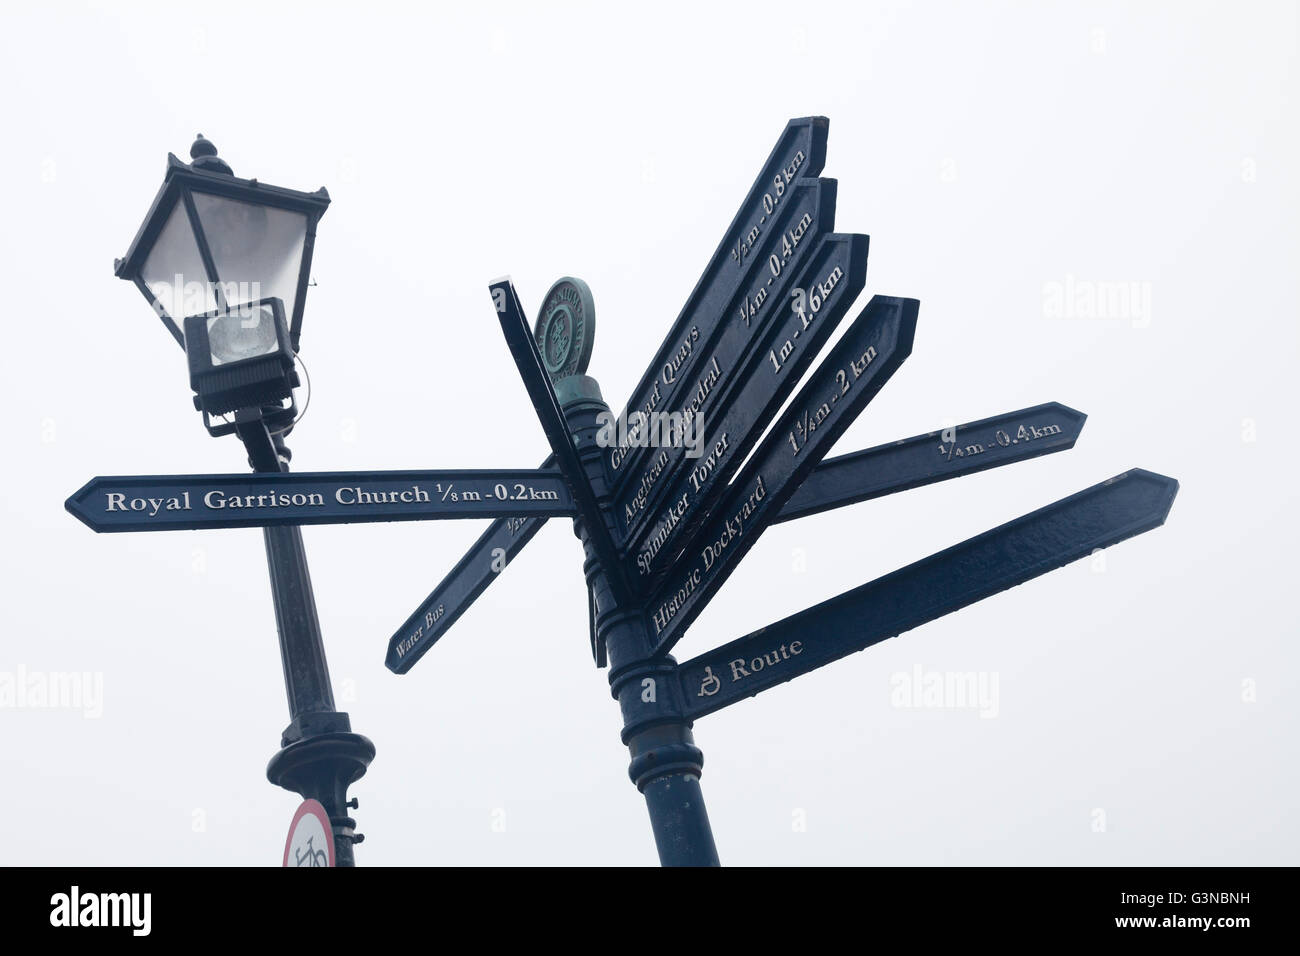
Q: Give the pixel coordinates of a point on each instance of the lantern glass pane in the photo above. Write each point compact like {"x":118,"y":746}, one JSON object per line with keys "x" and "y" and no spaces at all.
{"x":173,"y":270}
{"x":257,"y":250}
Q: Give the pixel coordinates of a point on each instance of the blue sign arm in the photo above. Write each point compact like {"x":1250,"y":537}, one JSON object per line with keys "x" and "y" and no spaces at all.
{"x":1009,"y":555}
{"x":935,"y":456}
{"x":481,"y":565}
{"x":273,"y":499}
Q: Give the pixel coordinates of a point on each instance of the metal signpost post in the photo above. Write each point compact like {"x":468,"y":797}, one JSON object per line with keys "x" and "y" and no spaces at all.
{"x":666,"y":498}
{"x":662,"y":529}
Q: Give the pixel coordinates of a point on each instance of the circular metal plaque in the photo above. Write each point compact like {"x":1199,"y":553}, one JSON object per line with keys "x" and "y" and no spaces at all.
{"x":565,"y":328}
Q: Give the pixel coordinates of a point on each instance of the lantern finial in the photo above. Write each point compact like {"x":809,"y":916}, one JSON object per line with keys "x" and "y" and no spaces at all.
{"x":204,"y":154}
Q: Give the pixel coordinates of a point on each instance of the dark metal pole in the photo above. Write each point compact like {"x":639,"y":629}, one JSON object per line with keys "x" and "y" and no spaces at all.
{"x":666,"y":764}
{"x":319,"y":755}
{"x":306,"y":673}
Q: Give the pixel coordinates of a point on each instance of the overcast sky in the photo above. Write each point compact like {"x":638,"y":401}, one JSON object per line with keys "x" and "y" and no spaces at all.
{"x":1146,"y":701}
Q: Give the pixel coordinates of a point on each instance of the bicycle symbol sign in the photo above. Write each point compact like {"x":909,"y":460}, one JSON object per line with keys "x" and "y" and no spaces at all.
{"x":311,"y":839}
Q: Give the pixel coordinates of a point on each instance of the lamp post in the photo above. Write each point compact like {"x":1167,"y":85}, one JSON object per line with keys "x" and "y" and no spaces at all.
{"x":224,"y":263}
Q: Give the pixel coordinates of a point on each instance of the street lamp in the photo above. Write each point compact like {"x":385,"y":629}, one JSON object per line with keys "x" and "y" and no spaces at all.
{"x":215,"y":255}
{"x":209,"y":235}
{"x":225,"y":263}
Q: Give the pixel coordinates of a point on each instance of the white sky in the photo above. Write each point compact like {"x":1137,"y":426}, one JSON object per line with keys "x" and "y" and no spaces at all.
{"x":987,"y":149}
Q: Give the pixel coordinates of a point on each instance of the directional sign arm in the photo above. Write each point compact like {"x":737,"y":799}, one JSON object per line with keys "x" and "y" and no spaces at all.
{"x":180,"y":502}
{"x":1012,"y":554}
{"x":936,"y":456}
{"x":480,"y":566}
{"x":540,"y":391}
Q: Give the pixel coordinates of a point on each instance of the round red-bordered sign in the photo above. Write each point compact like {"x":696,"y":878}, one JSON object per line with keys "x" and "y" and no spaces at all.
{"x":311,"y":838}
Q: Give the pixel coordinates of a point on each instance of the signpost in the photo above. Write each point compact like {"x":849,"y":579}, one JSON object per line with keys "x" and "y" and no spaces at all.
{"x":664,"y":523}
{"x":666,"y":498}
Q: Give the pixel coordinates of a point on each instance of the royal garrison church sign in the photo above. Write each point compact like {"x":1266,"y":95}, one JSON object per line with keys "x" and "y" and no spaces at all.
{"x":664,"y":523}
{"x":262,"y":500}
